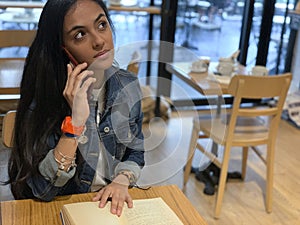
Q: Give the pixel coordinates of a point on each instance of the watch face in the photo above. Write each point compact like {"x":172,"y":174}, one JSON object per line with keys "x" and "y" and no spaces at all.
{"x":82,"y":139}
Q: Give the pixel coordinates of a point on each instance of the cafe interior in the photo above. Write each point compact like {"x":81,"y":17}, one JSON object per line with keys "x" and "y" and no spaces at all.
{"x":221,"y":100}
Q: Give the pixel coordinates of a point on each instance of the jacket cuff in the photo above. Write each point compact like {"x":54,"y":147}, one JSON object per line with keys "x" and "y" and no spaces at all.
{"x":130,"y":166}
{"x":49,"y":170}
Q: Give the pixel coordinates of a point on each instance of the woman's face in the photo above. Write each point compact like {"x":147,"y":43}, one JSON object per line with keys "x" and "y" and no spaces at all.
{"x":87,"y":34}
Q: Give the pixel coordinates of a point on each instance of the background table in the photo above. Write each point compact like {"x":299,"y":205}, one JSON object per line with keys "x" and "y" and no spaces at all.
{"x":201,"y":82}
{"x":31,"y":212}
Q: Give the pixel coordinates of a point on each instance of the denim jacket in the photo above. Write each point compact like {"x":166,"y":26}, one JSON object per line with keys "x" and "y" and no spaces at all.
{"x":120,"y":130}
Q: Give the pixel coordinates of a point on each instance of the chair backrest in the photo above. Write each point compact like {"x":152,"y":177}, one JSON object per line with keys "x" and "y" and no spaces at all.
{"x":134,"y":64}
{"x":258,"y":87}
{"x":16,"y":38}
{"x":133,"y":67}
{"x":8,"y":128}
{"x":11,"y":67}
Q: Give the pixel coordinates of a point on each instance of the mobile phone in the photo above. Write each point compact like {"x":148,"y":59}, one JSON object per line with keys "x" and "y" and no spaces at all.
{"x":71,"y":57}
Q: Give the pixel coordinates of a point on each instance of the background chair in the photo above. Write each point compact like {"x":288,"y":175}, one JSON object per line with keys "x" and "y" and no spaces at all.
{"x":11,"y":68}
{"x":134,"y":64}
{"x":8,"y":128}
{"x":16,"y":38}
{"x":244,"y":127}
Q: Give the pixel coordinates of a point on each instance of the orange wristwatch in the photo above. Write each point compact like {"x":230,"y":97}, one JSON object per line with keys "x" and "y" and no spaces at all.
{"x":69,"y":130}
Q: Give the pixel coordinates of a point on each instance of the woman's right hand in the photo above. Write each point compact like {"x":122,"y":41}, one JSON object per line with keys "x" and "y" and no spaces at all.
{"x":76,"y":92}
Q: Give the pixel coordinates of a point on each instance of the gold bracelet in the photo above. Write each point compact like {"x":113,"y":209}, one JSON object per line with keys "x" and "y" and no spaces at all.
{"x":129,"y":176}
{"x":65,"y":156}
{"x":63,"y":163}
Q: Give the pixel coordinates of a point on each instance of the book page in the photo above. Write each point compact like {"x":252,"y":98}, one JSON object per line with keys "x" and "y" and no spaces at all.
{"x":144,"y":212}
{"x":150,"y":212}
{"x":88,"y":213}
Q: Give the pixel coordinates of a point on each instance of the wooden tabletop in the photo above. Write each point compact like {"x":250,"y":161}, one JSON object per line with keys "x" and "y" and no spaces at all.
{"x":149,"y":9}
{"x":205,"y":83}
{"x":31,"y":212}
{"x":11,"y":71}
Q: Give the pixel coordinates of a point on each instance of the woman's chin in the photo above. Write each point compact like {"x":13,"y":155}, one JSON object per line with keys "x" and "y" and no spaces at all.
{"x":101,"y":64}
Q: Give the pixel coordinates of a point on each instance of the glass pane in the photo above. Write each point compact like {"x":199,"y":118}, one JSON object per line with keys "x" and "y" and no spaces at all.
{"x":279,"y":36}
{"x":208,"y":28}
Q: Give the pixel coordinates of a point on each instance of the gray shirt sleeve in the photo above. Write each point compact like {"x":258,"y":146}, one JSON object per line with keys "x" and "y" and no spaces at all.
{"x":49,"y":169}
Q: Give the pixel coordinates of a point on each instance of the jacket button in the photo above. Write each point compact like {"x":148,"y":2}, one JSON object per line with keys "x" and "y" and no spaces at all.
{"x":106,"y":129}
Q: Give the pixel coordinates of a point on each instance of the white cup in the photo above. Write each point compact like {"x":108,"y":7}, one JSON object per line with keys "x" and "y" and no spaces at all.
{"x":259,"y":71}
{"x":199,"y":66}
{"x":225,"y":69}
{"x":206,"y":60}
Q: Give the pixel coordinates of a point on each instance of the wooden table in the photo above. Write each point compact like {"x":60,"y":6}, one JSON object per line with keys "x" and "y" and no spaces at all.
{"x":31,"y":212}
{"x":205,"y":83}
{"x":148,"y":9}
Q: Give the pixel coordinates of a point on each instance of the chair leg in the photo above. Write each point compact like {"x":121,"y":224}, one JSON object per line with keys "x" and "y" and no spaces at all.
{"x":269,"y":179}
{"x":192,"y":148}
{"x":244,"y":162}
{"x":222,"y":181}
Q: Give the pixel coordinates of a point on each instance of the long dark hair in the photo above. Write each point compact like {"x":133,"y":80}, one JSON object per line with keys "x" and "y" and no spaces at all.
{"x":42,"y":106}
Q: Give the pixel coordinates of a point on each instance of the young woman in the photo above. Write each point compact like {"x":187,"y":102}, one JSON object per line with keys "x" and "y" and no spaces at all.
{"x":78,"y":124}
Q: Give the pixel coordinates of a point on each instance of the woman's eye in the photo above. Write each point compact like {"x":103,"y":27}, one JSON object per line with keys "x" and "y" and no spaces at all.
{"x":102,"y":25}
{"x":79,"y":35}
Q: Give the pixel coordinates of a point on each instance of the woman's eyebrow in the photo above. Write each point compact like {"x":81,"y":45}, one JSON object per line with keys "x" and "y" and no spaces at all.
{"x":79,"y":27}
{"x":99,"y":17}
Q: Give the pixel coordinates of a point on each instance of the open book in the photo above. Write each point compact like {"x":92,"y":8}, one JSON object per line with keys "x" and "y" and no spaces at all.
{"x":152,"y":211}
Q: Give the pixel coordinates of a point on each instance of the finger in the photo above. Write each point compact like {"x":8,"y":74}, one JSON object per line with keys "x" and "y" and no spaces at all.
{"x":69,"y":71}
{"x":73,"y":73}
{"x":120,"y":206}
{"x":104,"y":198}
{"x":115,"y":204}
{"x":81,"y":79}
{"x":87,"y":84}
{"x":80,"y":67}
{"x":98,"y":195}
{"x":129,"y":201}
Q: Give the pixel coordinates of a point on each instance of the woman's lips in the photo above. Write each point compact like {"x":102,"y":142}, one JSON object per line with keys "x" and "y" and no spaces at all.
{"x":102,"y":55}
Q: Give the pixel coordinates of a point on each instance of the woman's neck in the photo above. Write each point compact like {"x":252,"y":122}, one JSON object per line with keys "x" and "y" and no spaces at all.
{"x":99,"y":75}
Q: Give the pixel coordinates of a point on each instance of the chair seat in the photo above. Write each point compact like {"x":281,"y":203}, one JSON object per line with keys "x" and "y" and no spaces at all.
{"x":248,"y":132}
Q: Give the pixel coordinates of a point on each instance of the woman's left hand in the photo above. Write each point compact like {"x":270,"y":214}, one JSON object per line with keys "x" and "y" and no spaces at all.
{"x":117,"y":190}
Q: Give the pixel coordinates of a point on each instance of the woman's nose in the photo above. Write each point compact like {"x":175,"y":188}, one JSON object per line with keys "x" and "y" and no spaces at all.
{"x":98,"y":41}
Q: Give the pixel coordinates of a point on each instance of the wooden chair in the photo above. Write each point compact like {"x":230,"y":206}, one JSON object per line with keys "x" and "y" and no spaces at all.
{"x":134,"y":64}
{"x":133,"y":67}
{"x":11,"y":67}
{"x":16,"y":38}
{"x":8,"y":128}
{"x":244,"y":127}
